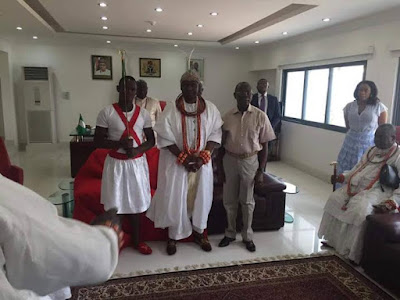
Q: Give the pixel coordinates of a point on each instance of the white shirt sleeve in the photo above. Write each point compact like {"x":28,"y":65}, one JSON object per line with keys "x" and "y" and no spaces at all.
{"x":7,"y":291}
{"x":380,"y":108}
{"x":216,"y":133}
{"x":346,"y":109}
{"x":44,"y":252}
{"x":102,"y":118}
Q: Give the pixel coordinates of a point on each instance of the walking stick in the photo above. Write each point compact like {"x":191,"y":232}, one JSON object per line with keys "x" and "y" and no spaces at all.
{"x":334,"y":164}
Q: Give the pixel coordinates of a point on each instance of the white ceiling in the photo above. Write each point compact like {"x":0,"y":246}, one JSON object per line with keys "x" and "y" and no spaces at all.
{"x":129,"y":18}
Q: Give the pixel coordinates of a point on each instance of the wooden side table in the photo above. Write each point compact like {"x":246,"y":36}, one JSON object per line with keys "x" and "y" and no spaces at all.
{"x":80,"y":147}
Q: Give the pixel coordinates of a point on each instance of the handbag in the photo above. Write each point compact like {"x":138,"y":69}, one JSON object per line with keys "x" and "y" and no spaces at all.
{"x":389,"y":177}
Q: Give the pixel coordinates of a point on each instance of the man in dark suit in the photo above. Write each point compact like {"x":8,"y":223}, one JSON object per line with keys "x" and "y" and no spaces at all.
{"x":268,"y":103}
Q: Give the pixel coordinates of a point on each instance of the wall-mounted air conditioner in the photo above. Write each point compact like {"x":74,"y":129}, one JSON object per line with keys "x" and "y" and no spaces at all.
{"x":39,"y":105}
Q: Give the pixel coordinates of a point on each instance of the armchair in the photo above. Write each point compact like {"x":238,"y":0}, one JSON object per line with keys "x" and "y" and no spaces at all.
{"x":6,"y":168}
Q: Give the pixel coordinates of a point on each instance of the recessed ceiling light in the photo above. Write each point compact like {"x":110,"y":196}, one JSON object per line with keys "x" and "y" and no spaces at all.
{"x":237,"y":48}
{"x":326,"y":19}
{"x":285,"y":33}
{"x":214,"y":14}
{"x":19,"y":28}
{"x":148,"y":30}
{"x":35,"y":37}
{"x":104,"y":18}
{"x":108,"y":42}
{"x":175,"y":45}
{"x":200,"y":26}
{"x":190,"y":33}
{"x":257,"y":42}
{"x":105,"y":27}
{"x":103,"y":4}
{"x":158,"y":9}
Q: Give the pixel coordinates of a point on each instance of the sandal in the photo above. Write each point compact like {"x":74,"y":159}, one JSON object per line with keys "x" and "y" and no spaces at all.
{"x":143,"y":248}
{"x":201,"y":240}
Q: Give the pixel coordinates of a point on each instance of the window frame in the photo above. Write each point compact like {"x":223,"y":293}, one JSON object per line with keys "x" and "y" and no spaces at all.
{"x":301,"y":121}
{"x":396,"y":105}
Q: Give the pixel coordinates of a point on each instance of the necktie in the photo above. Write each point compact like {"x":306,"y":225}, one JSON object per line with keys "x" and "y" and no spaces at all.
{"x":262,"y":103}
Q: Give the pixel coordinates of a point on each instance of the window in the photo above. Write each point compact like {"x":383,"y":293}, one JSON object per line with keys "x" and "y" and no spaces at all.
{"x":396,"y":109}
{"x":316,"y":96}
{"x":294,"y":98}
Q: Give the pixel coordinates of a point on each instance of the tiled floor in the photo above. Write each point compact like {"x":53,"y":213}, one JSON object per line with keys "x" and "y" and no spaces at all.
{"x":46,"y":165}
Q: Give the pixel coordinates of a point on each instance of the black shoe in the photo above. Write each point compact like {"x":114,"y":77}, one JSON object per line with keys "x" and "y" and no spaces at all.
{"x":250,"y":246}
{"x":325,"y":244}
{"x":225,"y":241}
{"x":171,"y":247}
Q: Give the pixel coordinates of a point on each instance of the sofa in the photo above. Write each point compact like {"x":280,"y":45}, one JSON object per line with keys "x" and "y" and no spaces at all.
{"x":6,"y":168}
{"x":268,"y":214}
{"x":381,"y":252}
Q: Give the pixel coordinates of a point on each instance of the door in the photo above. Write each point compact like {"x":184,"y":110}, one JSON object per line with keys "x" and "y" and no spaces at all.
{"x":2,"y":132}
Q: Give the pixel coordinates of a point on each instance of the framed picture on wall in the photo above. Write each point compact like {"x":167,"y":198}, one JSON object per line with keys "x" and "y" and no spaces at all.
{"x":150,"y":67}
{"x":102,"y":67}
{"x":197,"y":66}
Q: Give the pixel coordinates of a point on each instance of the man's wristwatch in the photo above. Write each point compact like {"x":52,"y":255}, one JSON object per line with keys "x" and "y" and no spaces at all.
{"x":260,"y":170}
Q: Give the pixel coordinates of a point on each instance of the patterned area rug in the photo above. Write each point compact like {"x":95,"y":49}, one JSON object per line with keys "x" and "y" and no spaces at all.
{"x":309,"y":278}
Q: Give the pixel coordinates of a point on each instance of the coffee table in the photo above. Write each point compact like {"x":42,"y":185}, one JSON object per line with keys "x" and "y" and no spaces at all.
{"x":64,"y":197}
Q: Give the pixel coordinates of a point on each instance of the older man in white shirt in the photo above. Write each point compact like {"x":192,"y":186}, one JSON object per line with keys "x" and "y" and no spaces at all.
{"x":343,"y":223}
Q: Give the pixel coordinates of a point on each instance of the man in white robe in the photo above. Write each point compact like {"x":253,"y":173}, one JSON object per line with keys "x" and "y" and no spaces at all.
{"x":42,"y":253}
{"x":343,"y":222}
{"x":185,"y":174}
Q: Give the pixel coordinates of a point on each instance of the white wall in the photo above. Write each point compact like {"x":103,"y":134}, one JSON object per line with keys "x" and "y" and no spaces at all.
{"x":71,"y":66}
{"x":270,"y":75}
{"x":8,"y":117}
{"x":309,"y":148}
{"x":2,"y":132}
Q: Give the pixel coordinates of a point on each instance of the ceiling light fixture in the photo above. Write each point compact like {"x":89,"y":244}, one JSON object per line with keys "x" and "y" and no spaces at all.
{"x":35,"y":37}
{"x":158,"y":9}
{"x":175,"y":45}
{"x":285,"y":33}
{"x":104,"y":18}
{"x":108,"y":42}
{"x":105,"y":27}
{"x":257,"y":42}
{"x":190,"y":33}
{"x":103,"y":4}
{"x":237,"y":48}
{"x":200,"y":26}
{"x":214,"y":14}
{"x":148,"y":30}
{"x":19,"y":28}
{"x":326,"y":19}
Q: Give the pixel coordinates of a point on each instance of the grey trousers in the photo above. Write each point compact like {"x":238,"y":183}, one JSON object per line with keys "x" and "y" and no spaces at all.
{"x":239,"y":188}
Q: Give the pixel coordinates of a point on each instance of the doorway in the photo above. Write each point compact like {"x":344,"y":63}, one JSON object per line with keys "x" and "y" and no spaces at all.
{"x":2,"y":131}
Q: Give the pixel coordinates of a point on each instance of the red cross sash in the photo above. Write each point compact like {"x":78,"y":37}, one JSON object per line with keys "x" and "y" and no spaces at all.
{"x":113,"y":153}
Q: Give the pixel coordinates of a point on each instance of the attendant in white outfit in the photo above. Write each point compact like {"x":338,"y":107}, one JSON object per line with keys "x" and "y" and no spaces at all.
{"x":125,"y":182}
{"x":150,"y":104}
{"x":42,"y":254}
{"x":343,"y":223}
{"x":187,"y":132}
